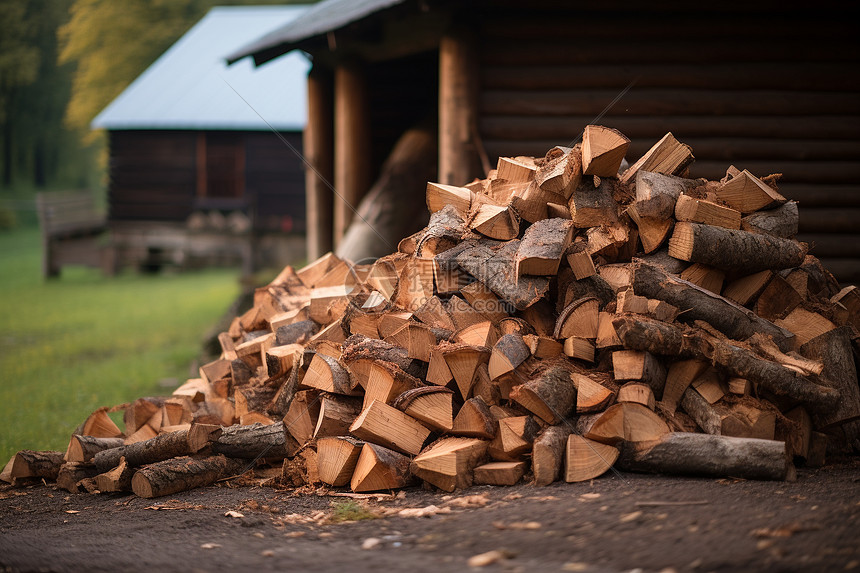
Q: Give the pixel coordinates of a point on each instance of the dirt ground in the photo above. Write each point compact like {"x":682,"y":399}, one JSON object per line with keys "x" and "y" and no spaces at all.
{"x":620,"y":522}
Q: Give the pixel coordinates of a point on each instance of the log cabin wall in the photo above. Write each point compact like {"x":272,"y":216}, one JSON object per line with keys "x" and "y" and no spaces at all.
{"x":769,"y":91}
{"x":166,"y":175}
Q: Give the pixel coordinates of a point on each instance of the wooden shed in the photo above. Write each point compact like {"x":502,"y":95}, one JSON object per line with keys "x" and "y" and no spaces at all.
{"x":760,"y":85}
{"x":205,"y":161}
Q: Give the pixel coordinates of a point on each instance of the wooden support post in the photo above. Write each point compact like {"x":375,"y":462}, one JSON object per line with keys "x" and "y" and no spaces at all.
{"x":457,"y":109}
{"x":318,"y":151}
{"x":352,"y":176}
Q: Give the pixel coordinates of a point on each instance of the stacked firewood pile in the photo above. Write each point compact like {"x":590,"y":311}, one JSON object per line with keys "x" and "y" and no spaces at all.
{"x":555,"y":320}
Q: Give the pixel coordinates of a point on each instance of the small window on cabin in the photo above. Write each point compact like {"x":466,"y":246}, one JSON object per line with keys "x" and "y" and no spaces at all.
{"x":221,"y":166}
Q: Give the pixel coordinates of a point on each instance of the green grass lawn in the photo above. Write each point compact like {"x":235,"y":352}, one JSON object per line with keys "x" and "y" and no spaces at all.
{"x":71,"y":345}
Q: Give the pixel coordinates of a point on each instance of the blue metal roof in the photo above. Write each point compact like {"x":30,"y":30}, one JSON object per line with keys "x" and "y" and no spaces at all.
{"x":191,"y":87}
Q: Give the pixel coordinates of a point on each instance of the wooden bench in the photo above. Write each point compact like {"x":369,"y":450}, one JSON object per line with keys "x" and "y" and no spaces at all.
{"x":73,"y":231}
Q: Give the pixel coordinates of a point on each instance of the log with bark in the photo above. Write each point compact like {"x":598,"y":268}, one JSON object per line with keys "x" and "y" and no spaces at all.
{"x":182,"y":473}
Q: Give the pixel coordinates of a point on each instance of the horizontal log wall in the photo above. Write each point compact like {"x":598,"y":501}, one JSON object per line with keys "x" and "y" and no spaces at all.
{"x":153,"y":175}
{"x":772,"y":92}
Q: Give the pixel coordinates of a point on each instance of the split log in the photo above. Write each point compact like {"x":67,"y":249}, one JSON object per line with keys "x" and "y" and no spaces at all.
{"x":739,"y":251}
{"x":653,"y":231}
{"x":679,"y":376}
{"x":637,"y":393}
{"x":657,"y":194}
{"x":591,"y":396}
{"x":561,"y":171}
{"x":509,"y":352}
{"x":624,"y":421}
{"x":587,"y":459}
{"x":431,"y":405}
{"x":543,"y":246}
{"x":747,"y":193}
{"x":115,"y":480}
{"x":593,"y":206}
{"x":496,"y":269}
{"x":782,"y":221}
{"x":386,"y":382}
{"x":692,"y":210}
{"x":295,"y":333}
{"x":281,"y":359}
{"x":33,"y":464}
{"x":256,"y":441}
{"x":548,"y":453}
{"x":707,"y":277}
{"x":696,"y":303}
{"x":462,"y":314}
{"x":745,"y":289}
{"x":443,"y":231}
{"x":603,"y":150}
{"x":181,"y":474}
{"x":84,"y":448}
{"x":499,"y":473}
{"x":439,"y":195}
{"x":580,"y":261}
{"x":777,"y":299}
{"x":161,"y":447}
{"x":482,"y":334}
{"x":485,"y":302}
{"x":515,"y":437}
{"x":302,"y":416}
{"x":669,"y":340}
{"x":359,"y":352}
{"x":805,"y":324}
{"x":834,"y":350}
{"x":474,"y":420}
{"x":72,"y":473}
{"x":417,"y":339}
{"x":449,"y":463}
{"x":667,"y":156}
{"x":551,"y":396}
{"x":543,"y":346}
{"x":682,"y":453}
{"x":337,"y":413}
{"x":496,"y":222}
{"x":336,"y":459}
{"x":579,"y":348}
{"x":579,"y":319}
{"x":641,"y":366}
{"x":516,"y":169}
{"x":379,"y":468}
{"x":382,"y":424}
{"x":463,"y":361}
{"x":327,"y":374}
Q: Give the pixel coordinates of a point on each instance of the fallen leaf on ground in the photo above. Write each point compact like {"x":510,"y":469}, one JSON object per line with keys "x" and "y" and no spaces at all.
{"x":210,"y":546}
{"x":370,"y":543}
{"x":479,"y":500}
{"x":72,"y":511}
{"x":783,"y":531}
{"x":234,"y":514}
{"x":488,"y":558}
{"x":517,"y":525}
{"x":589,"y":496}
{"x":630,"y":516}
{"x":423,"y":511}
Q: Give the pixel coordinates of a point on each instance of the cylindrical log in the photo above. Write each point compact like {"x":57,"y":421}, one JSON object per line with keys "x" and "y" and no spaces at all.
{"x":84,"y":448}
{"x":73,"y":472}
{"x":701,"y":411}
{"x":735,"y":250}
{"x":548,"y":453}
{"x":779,"y":222}
{"x":682,"y":453}
{"x":657,"y":337}
{"x":161,"y":447}
{"x":696,"y":303}
{"x":35,"y":464}
{"x":256,"y":440}
{"x":181,"y":474}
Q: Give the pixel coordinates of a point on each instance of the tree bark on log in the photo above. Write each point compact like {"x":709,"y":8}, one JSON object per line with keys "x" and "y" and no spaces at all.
{"x":640,"y":333}
{"x":682,"y":453}
{"x":71,"y":473}
{"x":33,"y":464}
{"x":117,"y":479}
{"x":706,"y":417}
{"x":256,"y":440}
{"x":697,"y":303}
{"x":551,"y":397}
{"x":780,"y":222}
{"x":161,"y":447}
{"x":548,"y":453}
{"x":181,"y":474}
{"x":834,"y":350}
{"x":497,"y":270}
{"x":84,"y":448}
{"x":740,"y":251}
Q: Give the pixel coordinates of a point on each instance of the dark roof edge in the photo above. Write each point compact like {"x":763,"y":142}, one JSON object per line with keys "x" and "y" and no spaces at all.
{"x":325,"y":17}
